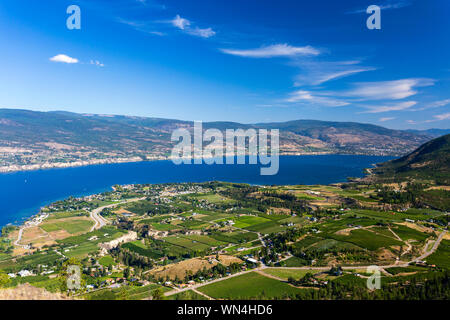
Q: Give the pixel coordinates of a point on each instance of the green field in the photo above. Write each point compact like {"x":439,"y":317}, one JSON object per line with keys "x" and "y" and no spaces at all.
{"x":132,"y":293}
{"x":140,"y":248}
{"x":441,"y":257}
{"x":187,"y":243}
{"x":107,"y":261}
{"x":247,"y":221}
{"x":367,"y":239}
{"x":249,"y":286}
{"x":71,"y":226}
{"x":288,"y":273}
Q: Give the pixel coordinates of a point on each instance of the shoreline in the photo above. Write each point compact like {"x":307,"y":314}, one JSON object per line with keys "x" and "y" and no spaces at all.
{"x":86,"y":163}
{"x":30,"y":219}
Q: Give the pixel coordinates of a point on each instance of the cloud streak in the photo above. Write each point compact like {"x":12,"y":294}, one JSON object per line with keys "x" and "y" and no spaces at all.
{"x":319,"y":72}
{"x":388,"y":5}
{"x":391,"y":107}
{"x":276,"y":50}
{"x":388,"y":90}
{"x":185,"y":25}
{"x":314,"y":98}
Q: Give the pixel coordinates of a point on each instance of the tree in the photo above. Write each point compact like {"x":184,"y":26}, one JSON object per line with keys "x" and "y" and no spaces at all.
{"x":158,"y":294}
{"x":4,"y":279}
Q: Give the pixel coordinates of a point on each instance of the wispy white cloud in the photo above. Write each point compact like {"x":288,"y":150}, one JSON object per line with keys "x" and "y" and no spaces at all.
{"x":444,"y":116}
{"x":388,"y":90}
{"x":387,"y":5}
{"x":315,"y":98}
{"x":185,"y":25}
{"x":64,"y":59}
{"x":152,"y":4}
{"x":319,"y":72}
{"x":438,"y":117}
{"x":180,"y":22}
{"x":97,"y":63}
{"x":432,"y":105}
{"x":276,"y":50}
{"x":391,"y":107}
{"x":204,"y":33}
{"x":386,"y":119}
{"x":141,"y":26}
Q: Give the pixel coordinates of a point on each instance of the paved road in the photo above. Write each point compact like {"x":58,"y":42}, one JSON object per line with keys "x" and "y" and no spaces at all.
{"x":100,"y":222}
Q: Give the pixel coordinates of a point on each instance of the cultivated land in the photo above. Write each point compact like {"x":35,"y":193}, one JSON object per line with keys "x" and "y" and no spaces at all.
{"x":221,"y":240}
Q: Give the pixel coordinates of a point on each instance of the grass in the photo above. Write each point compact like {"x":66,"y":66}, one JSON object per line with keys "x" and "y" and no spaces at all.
{"x":187,"y":295}
{"x":247,"y":221}
{"x":132,"y":292}
{"x":142,"y":250}
{"x":441,"y":257}
{"x":187,"y":243}
{"x":234,"y":237}
{"x":205,"y":240}
{"x":397,"y":270}
{"x":295,"y":262}
{"x":394,"y":216}
{"x":285,"y":274}
{"x":367,"y":239}
{"x":406,"y":233}
{"x":266,"y":227}
{"x":249,"y":286}
{"x":71,"y":226}
{"x":107,"y":261}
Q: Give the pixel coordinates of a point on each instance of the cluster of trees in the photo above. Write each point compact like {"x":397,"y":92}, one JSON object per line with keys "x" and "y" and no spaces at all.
{"x":131,"y":258}
{"x":244,"y":196}
{"x":410,"y":194}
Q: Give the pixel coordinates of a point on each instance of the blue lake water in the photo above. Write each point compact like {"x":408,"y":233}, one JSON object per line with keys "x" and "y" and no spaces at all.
{"x":23,"y":193}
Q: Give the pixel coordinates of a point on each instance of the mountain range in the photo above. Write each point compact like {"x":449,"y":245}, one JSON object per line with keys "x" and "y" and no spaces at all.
{"x":33,"y":140}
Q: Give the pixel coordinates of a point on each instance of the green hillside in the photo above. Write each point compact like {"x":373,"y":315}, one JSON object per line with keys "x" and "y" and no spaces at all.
{"x":430,"y":162}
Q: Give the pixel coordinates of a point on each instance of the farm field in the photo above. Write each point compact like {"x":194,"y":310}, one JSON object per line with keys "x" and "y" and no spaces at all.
{"x":248,"y":286}
{"x":207,"y":233}
{"x":285,"y":274}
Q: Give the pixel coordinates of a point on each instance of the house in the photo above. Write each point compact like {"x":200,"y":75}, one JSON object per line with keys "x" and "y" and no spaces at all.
{"x":25,"y":273}
{"x":252,"y":260}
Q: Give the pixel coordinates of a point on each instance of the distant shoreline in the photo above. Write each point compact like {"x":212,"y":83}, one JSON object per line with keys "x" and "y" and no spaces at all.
{"x":85,"y":163}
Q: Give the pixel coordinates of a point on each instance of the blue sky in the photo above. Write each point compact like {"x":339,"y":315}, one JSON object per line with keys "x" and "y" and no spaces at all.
{"x":246,"y":61}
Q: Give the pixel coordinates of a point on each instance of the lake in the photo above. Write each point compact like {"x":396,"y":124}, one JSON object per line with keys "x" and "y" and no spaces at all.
{"x":23,"y":193}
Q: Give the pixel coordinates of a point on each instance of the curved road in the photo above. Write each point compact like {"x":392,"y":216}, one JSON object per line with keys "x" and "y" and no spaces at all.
{"x":100,"y":222}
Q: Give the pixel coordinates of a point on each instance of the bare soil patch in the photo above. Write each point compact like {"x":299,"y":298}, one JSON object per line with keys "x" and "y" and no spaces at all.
{"x":193,"y":265}
{"x":28,"y":292}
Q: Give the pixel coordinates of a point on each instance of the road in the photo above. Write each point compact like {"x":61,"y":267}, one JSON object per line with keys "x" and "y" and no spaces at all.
{"x":29,"y":224}
{"x":99,"y":221}
{"x":423,"y":256}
